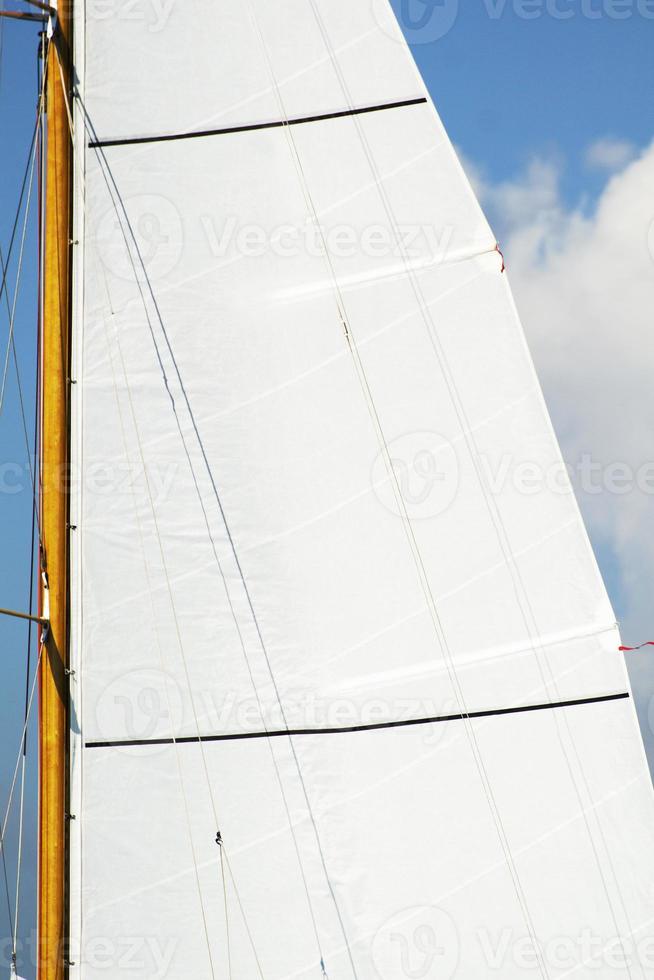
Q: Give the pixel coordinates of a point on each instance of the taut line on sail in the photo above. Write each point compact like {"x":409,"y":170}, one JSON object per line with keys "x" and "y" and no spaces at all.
{"x":352,"y":729}
{"x":254,"y":127}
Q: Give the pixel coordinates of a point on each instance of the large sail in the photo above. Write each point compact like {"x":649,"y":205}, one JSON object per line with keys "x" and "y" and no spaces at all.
{"x":347,"y":694}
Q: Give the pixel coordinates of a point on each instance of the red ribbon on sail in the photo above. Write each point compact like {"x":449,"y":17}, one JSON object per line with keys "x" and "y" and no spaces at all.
{"x":650,"y":643}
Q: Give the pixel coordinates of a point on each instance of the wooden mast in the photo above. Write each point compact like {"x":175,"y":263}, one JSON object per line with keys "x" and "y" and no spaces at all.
{"x":53,"y":686}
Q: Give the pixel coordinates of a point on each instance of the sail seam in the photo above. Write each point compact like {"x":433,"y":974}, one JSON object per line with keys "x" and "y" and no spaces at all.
{"x":254,"y":127}
{"x":353,"y":729}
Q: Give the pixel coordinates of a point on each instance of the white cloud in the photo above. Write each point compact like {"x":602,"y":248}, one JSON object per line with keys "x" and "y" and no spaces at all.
{"x":610,"y":154}
{"x":585,"y":289}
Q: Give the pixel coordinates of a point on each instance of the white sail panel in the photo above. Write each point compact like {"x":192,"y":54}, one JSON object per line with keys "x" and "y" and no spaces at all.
{"x":319,"y":493}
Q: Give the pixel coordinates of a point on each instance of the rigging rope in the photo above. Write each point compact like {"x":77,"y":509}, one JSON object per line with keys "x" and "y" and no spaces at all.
{"x":521,"y":592}
{"x":109,"y":182}
{"x":4,"y":270}
{"x":5,"y":820}
{"x":9,"y":806}
{"x":30,"y":604}
{"x":27,"y":183}
{"x":21,"y":255}
{"x":224,"y":856}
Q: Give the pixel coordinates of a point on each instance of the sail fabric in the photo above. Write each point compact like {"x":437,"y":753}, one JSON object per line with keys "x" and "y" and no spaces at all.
{"x":347,"y":698}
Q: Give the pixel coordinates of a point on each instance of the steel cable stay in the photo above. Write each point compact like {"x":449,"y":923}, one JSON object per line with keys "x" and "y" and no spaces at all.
{"x":21,"y":255}
{"x":4,"y":271}
{"x":14,"y":781}
{"x":23,"y":207}
{"x":2,"y":850}
{"x":30,"y":634}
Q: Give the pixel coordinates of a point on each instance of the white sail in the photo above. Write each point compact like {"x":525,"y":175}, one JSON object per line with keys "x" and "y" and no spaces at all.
{"x":317,"y":492}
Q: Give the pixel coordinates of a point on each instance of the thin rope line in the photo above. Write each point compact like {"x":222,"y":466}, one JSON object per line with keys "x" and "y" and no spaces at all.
{"x":290,"y":138}
{"x":107,"y":174}
{"x":71,"y":127}
{"x":31,"y":458}
{"x":229,"y":947}
{"x":406,"y":520}
{"x":169,"y":588}
{"x":18,"y":280}
{"x":4,"y":268}
{"x":9,"y":910}
{"x":20,"y":751}
{"x":393,"y":479}
{"x":208,"y":781}
{"x":11,"y":346}
{"x":245,"y":921}
{"x":167,"y":695}
{"x":187,"y":812}
{"x":494,"y":513}
{"x":182,"y":785}
{"x":179,"y":638}
{"x":2,"y":44}
{"x":520,"y":590}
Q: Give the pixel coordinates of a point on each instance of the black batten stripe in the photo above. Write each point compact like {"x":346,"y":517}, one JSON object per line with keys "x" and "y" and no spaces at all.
{"x":253,"y":127}
{"x":381,"y":726}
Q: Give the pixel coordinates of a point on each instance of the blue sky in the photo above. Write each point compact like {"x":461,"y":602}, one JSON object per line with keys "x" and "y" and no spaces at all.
{"x":511,"y":89}
{"x":507,"y":87}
